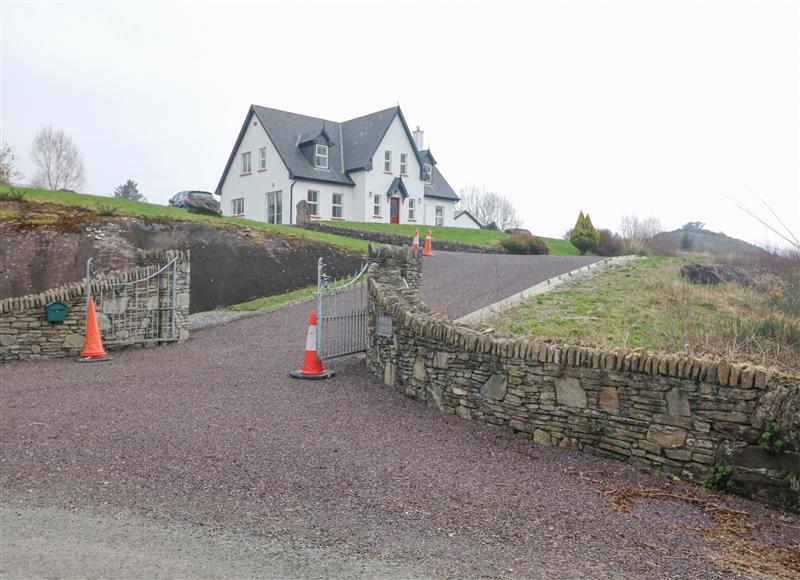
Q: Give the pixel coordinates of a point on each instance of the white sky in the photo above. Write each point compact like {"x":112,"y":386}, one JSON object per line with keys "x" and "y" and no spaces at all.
{"x":657,"y":108}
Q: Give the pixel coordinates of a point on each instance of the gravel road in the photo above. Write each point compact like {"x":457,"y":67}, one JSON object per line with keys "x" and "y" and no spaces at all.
{"x":215,"y":463}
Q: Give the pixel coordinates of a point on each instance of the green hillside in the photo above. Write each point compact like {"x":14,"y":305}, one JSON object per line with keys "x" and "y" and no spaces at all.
{"x":113,"y":206}
{"x":466,"y":236}
{"x":705,"y":242}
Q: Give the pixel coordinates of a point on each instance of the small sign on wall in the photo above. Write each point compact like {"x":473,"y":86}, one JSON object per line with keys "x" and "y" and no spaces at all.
{"x":383,"y":325}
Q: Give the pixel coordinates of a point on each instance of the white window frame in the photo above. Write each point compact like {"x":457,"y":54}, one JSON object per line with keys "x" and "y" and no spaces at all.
{"x":274,"y":201}
{"x":439,"y":215}
{"x":428,"y":168}
{"x":262,"y":158}
{"x":315,"y":203}
{"x":377,"y":206}
{"x":387,"y":161}
{"x":337,"y":206}
{"x":321,"y":156}
{"x":237,"y":204}
{"x":412,"y":209}
{"x":403,"y":164}
{"x":246,"y":163}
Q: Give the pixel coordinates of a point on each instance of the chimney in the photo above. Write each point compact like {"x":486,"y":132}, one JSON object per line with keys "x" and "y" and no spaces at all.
{"x":419,"y":138}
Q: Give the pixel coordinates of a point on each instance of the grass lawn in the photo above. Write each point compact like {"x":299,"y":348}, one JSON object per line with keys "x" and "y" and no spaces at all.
{"x":112,"y":206}
{"x":277,"y":299}
{"x":463,"y":235}
{"x":647,"y":305}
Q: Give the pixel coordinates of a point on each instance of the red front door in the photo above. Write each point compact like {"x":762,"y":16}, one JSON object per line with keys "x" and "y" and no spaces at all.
{"x":394,"y":210}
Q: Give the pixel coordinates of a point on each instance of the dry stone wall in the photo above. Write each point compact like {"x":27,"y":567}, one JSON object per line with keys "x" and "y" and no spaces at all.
{"x":398,"y":240}
{"x":688,"y":416}
{"x":25,"y":333}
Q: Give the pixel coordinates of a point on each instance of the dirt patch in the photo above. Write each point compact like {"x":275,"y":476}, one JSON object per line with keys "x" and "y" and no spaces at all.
{"x":229,"y":264}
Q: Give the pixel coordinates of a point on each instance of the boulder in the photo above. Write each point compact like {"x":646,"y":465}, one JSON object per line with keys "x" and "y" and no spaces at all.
{"x":715,"y":274}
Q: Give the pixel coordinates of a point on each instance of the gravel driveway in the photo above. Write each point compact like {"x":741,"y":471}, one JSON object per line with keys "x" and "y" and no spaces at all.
{"x":209,"y":443}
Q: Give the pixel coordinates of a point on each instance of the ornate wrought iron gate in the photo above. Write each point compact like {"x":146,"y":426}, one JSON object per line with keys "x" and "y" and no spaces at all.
{"x":136,"y":308}
{"x":341,"y":313}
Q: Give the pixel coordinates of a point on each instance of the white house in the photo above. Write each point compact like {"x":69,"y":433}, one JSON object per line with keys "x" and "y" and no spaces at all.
{"x":368,"y":169}
{"x":464,"y":219}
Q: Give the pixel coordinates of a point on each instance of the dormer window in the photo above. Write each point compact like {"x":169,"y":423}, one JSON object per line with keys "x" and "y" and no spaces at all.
{"x":321,"y":156}
{"x":428,"y":171}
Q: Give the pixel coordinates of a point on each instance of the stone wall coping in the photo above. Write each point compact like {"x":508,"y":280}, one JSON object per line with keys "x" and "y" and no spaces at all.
{"x":407,"y":307}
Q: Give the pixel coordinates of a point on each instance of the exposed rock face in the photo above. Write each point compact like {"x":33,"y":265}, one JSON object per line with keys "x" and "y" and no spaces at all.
{"x":229,"y":264}
{"x":715,"y":274}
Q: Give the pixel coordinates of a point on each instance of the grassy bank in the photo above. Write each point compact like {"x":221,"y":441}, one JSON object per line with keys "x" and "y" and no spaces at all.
{"x":648,"y":305}
{"x":112,"y":206}
{"x":466,"y":236}
{"x":276,"y":300}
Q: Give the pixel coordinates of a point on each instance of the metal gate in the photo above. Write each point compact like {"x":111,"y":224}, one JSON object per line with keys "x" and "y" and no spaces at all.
{"x":341,"y":313}
{"x":136,"y":308}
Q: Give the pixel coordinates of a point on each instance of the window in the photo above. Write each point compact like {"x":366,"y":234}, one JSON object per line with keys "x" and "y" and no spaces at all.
{"x":321,"y":156}
{"x":313,"y":200}
{"x":275,"y":207}
{"x":403,"y":164}
{"x":439,"y":215}
{"x":412,"y":210}
{"x":237,"y":206}
{"x":376,"y":208}
{"x":336,"y":206}
{"x":262,"y":158}
{"x":387,"y":161}
{"x":246,"y":162}
{"x":428,"y":171}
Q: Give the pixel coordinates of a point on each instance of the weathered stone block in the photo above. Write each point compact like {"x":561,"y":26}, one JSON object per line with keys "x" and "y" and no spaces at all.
{"x":570,"y":393}
{"x":678,"y":402}
{"x":419,"y":369}
{"x":665,"y":436}
{"x":609,"y":400}
{"x":542,"y":437}
{"x":495,"y":387}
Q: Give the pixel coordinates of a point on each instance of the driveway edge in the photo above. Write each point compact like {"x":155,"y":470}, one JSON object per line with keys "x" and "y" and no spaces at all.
{"x":582,"y":273}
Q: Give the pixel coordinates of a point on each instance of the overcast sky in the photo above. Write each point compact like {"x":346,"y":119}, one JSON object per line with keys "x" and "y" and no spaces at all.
{"x":665,"y":109}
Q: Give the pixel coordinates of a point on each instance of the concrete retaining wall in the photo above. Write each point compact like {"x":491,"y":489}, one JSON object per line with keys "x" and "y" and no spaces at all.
{"x":683,"y":415}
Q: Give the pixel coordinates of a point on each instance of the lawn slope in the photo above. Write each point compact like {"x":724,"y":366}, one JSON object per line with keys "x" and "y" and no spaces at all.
{"x":112,"y":206}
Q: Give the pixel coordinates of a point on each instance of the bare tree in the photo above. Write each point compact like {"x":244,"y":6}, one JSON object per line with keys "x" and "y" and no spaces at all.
{"x":489,"y":207}
{"x":8,"y":165}
{"x":58,"y":162}
{"x":637,"y":232}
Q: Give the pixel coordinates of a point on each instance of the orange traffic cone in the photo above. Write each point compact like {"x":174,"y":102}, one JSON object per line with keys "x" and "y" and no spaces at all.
{"x":93,"y":350}
{"x":427,"y":251}
{"x":312,"y":366}
{"x":415,"y":243}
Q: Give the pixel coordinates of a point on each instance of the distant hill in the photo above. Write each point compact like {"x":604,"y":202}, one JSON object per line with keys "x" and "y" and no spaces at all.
{"x":705,"y":241}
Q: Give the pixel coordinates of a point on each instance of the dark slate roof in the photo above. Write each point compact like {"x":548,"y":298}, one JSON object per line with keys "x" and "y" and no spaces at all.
{"x":363,"y":135}
{"x":397,"y":185}
{"x":353,"y":145}
{"x":439,"y":187}
{"x":285,"y":130}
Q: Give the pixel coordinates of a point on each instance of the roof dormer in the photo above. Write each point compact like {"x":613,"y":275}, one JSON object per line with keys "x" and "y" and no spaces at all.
{"x":315,"y":147}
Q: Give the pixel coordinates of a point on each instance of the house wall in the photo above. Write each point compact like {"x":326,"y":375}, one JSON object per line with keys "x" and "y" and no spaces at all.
{"x":464,"y":221}
{"x":377,"y":181}
{"x":254,"y":187}
{"x":449,"y":211}
{"x":351,"y":211}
